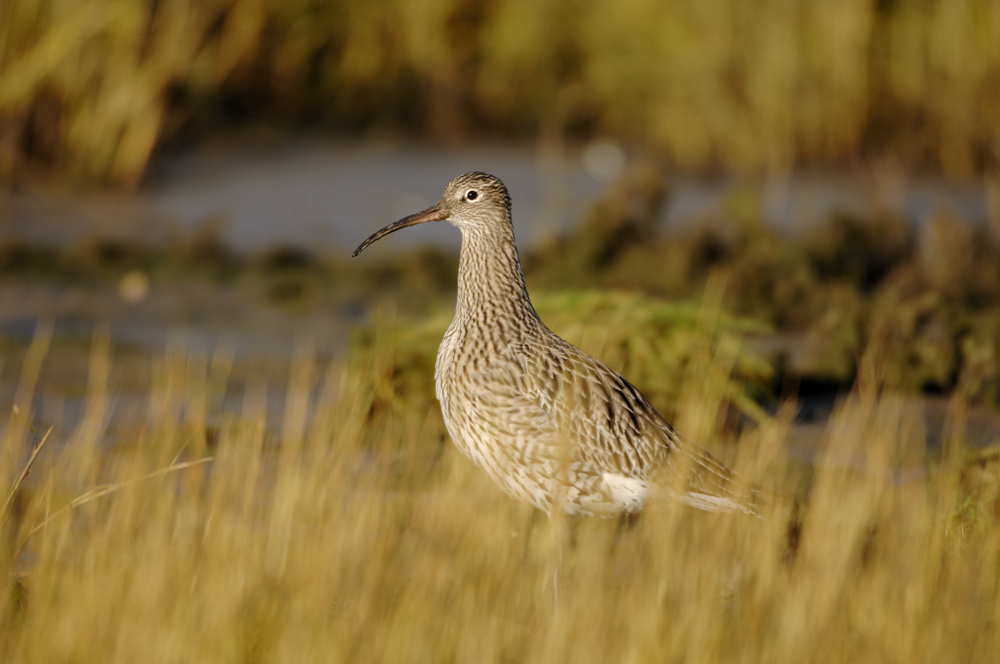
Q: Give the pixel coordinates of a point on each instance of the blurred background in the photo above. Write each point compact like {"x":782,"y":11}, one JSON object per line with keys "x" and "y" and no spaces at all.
{"x":197,"y":171}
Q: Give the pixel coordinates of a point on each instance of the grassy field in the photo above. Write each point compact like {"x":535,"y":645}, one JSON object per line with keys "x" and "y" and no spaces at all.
{"x":90,"y":88}
{"x":348,"y":528}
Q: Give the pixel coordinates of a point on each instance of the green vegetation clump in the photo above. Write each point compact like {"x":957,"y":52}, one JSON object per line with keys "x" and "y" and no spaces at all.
{"x":89,"y":89}
{"x":654,"y":343}
{"x":930,"y":294}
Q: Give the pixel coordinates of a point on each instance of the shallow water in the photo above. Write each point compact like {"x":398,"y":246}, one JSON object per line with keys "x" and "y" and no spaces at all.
{"x":327,"y":195}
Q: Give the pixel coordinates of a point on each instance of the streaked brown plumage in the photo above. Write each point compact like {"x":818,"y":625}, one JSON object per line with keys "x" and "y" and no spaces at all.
{"x":548,"y":423}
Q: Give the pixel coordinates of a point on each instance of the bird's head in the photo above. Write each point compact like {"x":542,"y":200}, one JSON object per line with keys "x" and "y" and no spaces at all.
{"x":471,"y":202}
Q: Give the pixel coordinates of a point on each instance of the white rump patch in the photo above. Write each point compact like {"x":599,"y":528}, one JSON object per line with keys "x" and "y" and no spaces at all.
{"x":627,"y":492}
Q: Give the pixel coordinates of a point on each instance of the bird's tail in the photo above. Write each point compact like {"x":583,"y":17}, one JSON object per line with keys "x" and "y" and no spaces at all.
{"x":713,"y":486}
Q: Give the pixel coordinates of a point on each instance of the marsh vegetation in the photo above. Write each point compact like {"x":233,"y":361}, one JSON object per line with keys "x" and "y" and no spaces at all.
{"x":347,"y":528}
{"x":309,"y":507}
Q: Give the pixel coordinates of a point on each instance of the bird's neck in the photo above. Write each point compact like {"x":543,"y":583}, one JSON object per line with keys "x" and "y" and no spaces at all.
{"x":491,"y":287}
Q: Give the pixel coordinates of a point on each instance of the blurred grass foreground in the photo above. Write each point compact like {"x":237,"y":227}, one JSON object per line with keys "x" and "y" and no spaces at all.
{"x":346,"y":529}
{"x":90,"y":88}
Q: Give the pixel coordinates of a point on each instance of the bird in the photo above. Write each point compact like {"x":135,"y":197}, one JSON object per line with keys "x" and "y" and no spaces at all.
{"x":548,"y":423}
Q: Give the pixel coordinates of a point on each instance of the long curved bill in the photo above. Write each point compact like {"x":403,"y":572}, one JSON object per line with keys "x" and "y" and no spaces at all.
{"x":433,"y":213}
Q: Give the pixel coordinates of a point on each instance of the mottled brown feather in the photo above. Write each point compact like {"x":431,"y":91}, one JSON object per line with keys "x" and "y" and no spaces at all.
{"x":547,"y":422}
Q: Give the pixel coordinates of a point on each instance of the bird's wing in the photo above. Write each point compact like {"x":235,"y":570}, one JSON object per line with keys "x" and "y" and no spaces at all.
{"x":610,"y":423}
{"x":555,"y":405}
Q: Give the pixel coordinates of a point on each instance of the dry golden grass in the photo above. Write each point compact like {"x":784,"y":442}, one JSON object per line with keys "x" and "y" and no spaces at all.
{"x":343,"y":533}
{"x":89,"y":87}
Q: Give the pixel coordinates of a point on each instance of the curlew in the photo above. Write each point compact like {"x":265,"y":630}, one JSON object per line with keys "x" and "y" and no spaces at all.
{"x":549,"y":424}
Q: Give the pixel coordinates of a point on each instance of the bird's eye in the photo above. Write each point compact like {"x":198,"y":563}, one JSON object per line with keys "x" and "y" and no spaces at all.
{"x":472,"y":195}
